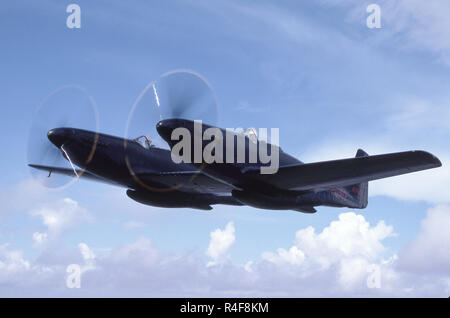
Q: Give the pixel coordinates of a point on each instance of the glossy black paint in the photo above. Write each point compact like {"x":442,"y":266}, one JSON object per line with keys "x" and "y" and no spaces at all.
{"x":232,"y":172}
{"x":298,"y":186}
{"x":150,"y":173}
{"x":153,"y":178}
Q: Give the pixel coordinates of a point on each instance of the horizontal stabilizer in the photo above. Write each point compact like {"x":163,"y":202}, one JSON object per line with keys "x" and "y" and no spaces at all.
{"x":344,"y":172}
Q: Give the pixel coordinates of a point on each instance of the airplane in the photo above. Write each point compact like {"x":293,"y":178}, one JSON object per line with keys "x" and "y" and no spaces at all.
{"x":151,"y":176}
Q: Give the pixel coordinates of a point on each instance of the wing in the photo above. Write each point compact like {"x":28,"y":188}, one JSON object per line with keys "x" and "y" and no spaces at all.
{"x":188,"y":181}
{"x":326,"y":174}
{"x":71,"y":173}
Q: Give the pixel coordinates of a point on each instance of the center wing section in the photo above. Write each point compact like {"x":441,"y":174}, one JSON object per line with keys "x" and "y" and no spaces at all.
{"x":327,"y":174}
{"x":188,"y":181}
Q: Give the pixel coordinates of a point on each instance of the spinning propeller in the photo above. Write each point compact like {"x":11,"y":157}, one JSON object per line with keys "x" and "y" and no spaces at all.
{"x":177,"y":94}
{"x":69,"y":106}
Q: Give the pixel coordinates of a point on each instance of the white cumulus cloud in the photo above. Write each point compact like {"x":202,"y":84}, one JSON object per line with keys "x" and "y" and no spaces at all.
{"x":430,"y":251}
{"x":88,"y":257}
{"x":58,"y":217}
{"x":351,"y":236}
{"x":334,"y":261}
{"x":221,"y":241}
{"x":12,"y":262}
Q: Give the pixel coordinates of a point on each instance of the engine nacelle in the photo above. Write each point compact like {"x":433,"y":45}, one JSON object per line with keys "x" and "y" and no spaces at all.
{"x":172,"y":199}
{"x":178,"y":199}
{"x":277,"y":202}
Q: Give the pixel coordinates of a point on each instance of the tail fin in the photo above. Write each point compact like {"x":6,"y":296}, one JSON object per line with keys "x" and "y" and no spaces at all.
{"x":351,"y":196}
{"x":359,"y":191}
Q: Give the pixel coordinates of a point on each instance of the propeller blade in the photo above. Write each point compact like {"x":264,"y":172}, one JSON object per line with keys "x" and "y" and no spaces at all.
{"x":68,"y":106}
{"x":176,"y":94}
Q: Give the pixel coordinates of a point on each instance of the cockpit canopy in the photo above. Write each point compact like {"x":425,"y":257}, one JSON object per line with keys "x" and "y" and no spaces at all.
{"x":251,"y":134}
{"x":144,"y":141}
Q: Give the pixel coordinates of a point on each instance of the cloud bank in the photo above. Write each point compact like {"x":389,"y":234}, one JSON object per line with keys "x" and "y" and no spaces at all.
{"x":338,"y":260}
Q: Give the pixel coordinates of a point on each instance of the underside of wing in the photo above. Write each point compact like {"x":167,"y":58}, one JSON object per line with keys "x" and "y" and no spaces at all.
{"x":75,"y":173}
{"x":324,"y":175}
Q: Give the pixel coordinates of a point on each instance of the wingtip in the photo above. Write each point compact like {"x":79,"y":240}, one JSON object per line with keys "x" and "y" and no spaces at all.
{"x":39,"y":167}
{"x":437,"y":162}
{"x":432,"y":159}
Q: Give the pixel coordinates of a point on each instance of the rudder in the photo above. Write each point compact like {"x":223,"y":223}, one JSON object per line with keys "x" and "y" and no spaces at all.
{"x":359,"y":192}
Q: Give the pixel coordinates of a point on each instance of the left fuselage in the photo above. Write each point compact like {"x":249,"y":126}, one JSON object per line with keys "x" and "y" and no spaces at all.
{"x":113,"y":158}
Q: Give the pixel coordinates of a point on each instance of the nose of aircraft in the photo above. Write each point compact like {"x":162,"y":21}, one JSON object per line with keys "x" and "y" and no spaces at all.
{"x":59,"y":136}
{"x":166,"y":126}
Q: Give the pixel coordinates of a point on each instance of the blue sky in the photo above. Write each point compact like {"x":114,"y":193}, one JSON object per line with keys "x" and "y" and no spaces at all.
{"x":312,"y":69}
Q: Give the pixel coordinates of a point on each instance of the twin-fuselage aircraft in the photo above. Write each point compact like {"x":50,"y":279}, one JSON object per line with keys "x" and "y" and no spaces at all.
{"x":153,"y":177}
